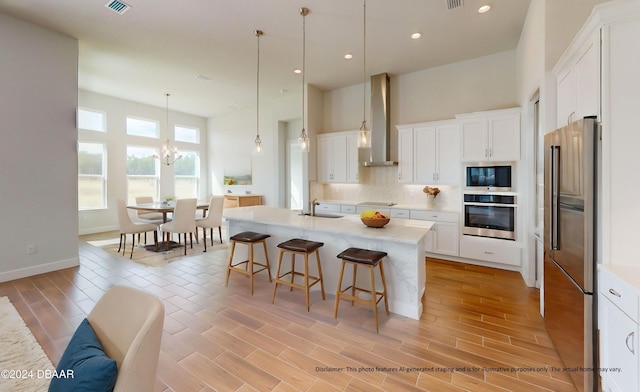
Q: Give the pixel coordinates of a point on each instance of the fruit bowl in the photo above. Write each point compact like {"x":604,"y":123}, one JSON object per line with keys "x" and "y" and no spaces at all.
{"x":377,"y":223}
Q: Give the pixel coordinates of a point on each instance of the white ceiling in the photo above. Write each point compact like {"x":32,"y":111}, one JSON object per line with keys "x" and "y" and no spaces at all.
{"x":159,"y":46}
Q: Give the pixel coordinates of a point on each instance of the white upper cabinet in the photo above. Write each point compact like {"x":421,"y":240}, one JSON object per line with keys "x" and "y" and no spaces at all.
{"x":405,"y":154}
{"x":352,"y":163}
{"x":429,"y":153}
{"x":338,"y":157}
{"x":491,"y":136}
{"x":578,"y":83}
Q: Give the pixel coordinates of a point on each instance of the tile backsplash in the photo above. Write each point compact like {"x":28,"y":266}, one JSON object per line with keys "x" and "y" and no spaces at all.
{"x":380,"y":184}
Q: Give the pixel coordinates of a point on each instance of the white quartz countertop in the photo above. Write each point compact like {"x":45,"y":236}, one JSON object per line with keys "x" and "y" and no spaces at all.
{"x":629,"y":274}
{"x":399,"y":230}
{"x":423,"y":207}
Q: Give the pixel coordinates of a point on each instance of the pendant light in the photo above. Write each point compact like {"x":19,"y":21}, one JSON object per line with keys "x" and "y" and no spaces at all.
{"x":364,"y":137}
{"x":303,"y":140}
{"x":258,"y":143}
{"x":169,"y":154}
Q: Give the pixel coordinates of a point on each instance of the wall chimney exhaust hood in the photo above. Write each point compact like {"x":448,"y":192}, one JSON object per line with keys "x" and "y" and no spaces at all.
{"x":379,"y":152}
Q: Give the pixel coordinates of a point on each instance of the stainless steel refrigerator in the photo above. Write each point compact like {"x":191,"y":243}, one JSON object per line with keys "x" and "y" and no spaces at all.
{"x":570,"y":238}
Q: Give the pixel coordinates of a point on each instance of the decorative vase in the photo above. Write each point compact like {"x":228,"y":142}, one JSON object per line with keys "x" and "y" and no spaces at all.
{"x":431,"y":201}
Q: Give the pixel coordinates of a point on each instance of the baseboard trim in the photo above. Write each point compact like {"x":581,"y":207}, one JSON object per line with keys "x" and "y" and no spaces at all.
{"x":96,"y":230}
{"x":38,"y":269}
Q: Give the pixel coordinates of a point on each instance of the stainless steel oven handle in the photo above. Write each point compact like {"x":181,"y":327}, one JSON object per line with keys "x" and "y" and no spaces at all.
{"x":489,"y":204}
{"x":555,"y":195}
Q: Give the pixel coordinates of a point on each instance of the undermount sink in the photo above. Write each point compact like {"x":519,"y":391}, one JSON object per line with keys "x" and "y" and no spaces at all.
{"x":323,"y":215}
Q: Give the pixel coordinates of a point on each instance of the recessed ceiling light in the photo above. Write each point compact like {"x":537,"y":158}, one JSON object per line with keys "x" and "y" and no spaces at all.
{"x":416,"y":35}
{"x":348,"y":56}
{"x":484,"y":8}
{"x":297,"y":71}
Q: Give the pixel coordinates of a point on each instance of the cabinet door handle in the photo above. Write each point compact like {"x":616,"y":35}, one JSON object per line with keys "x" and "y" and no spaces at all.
{"x":617,"y":294}
{"x":488,"y":253}
{"x":486,"y":153}
{"x":631,"y":337}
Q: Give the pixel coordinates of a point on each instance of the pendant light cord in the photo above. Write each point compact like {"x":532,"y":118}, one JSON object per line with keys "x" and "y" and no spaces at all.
{"x":364,"y":64}
{"x":303,"y":11}
{"x":258,"y":34}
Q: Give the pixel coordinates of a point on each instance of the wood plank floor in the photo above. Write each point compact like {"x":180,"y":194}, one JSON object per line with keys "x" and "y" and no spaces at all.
{"x":480,"y":330}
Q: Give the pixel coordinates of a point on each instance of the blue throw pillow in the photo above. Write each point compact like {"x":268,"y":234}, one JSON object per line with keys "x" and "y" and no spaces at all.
{"x":84,"y":366}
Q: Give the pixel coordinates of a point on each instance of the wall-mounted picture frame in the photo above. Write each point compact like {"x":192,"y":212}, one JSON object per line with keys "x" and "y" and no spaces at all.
{"x":238,"y":174}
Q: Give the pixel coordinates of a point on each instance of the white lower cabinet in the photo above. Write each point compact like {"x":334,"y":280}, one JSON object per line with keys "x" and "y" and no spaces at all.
{"x":444,"y":235}
{"x":618,"y":325}
{"x":490,"y":249}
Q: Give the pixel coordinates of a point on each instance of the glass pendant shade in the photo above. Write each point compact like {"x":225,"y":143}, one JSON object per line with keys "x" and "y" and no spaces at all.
{"x":364,"y":136}
{"x":303,"y":141}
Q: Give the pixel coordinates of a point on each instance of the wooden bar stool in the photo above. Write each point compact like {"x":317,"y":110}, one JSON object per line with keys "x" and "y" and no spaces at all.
{"x":369,"y":259}
{"x":298,"y":246}
{"x":248,"y":238}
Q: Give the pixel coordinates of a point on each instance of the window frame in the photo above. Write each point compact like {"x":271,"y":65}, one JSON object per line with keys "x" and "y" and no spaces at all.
{"x":101,"y":112}
{"x":196,"y":129}
{"x":157,"y":169}
{"x":103,"y":176}
{"x":136,"y":118}
{"x":197,"y":171}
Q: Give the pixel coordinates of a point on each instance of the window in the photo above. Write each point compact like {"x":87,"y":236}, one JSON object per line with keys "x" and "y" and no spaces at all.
{"x":141,"y":127}
{"x":92,"y":120}
{"x":187,"y":134}
{"x":142,"y":173}
{"x":187,"y":175}
{"x":92,"y":176}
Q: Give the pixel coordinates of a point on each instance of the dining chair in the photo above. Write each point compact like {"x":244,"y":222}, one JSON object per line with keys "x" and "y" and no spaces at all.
{"x":184,"y":221}
{"x":147,"y":216}
{"x":127,"y":226}
{"x":212,"y":219}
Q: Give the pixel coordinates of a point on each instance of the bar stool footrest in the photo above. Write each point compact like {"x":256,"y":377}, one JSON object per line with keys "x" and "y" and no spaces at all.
{"x":345,"y":296}
{"x":312,"y":280}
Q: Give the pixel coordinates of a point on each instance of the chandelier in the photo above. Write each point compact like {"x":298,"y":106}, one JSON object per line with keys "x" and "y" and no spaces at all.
{"x":168,"y":153}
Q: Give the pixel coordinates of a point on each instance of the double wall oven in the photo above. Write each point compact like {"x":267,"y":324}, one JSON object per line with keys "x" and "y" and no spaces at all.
{"x":489,"y":205}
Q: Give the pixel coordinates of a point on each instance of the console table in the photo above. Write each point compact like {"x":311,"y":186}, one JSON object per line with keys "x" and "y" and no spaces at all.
{"x":231,"y":201}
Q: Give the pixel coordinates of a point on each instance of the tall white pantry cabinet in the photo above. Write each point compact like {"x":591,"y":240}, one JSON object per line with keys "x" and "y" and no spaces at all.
{"x":599,"y":74}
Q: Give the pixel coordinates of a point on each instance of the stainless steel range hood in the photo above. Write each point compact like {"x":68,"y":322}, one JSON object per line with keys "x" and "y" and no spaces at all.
{"x":379,"y":153}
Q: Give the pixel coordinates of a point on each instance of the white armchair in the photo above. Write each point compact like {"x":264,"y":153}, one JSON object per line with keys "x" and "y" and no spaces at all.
{"x":128,"y":323}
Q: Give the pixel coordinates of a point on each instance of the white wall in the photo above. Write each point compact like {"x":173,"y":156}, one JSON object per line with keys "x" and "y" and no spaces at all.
{"x":231,"y":139}
{"x":38,"y":198}
{"x":439,"y":93}
{"x":531,"y":81}
{"x":116,"y":140}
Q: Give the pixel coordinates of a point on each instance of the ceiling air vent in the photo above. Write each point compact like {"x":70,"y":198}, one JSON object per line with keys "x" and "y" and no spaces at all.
{"x":453,"y":4}
{"x":118,"y":6}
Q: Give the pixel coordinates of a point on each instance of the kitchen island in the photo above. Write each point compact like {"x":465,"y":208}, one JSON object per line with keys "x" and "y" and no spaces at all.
{"x":402,"y":239}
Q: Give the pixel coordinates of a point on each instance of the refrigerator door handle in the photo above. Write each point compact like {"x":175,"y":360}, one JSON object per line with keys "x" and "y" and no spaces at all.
{"x":555,"y":195}
{"x":613,"y":292}
{"x":631,"y":347}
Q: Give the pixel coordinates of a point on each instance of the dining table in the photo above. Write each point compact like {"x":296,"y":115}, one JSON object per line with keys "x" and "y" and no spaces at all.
{"x":166,"y":207}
